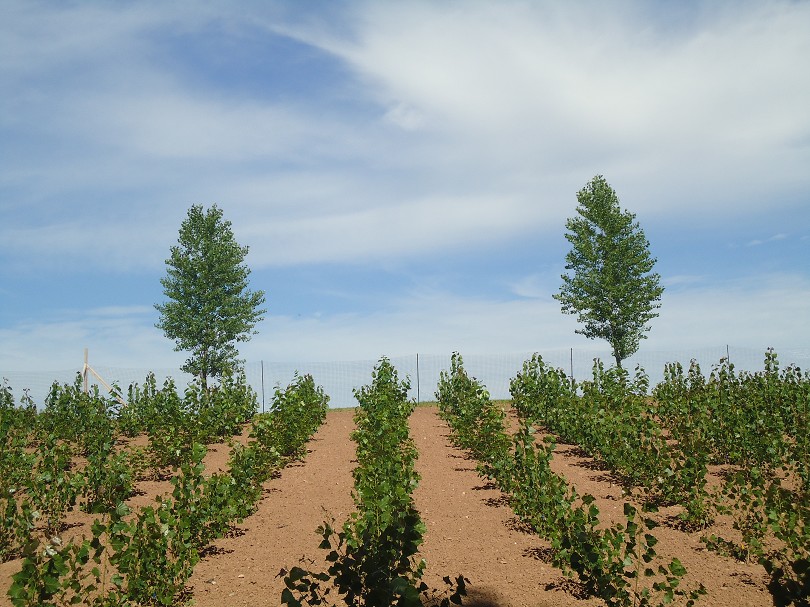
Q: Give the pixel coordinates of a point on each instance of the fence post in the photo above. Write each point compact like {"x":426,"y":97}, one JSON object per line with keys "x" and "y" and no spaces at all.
{"x":572,"y":363}
{"x":417,"y":379}
{"x":262,"y":362}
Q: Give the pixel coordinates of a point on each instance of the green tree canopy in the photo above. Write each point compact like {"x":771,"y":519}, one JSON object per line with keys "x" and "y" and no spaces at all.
{"x":209,"y":306}
{"x":612,"y":288}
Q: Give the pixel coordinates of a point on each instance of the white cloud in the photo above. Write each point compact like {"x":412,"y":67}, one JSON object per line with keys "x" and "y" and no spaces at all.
{"x":682,"y":279}
{"x":122,"y":336}
{"x":455,"y":126}
{"x":587,"y":89}
{"x":70,"y":245}
{"x":478,"y":121}
{"x":405,"y":117}
{"x":169,"y":125}
{"x":758,"y":242}
{"x":757,"y":312}
{"x":431,"y":323}
{"x":536,"y":286}
{"x":37,"y":37}
{"x":387,"y":230}
{"x":760,"y":311}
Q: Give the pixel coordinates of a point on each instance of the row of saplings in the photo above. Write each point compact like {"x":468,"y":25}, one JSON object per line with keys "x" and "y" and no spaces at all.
{"x":373,"y":558}
{"x":617,"y":563}
{"x":77,"y":454}
{"x":755,"y":423}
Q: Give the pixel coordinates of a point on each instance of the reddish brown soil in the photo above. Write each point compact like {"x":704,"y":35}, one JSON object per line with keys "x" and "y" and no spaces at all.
{"x":471,"y":530}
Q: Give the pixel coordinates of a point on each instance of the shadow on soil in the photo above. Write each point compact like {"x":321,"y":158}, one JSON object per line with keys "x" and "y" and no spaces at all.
{"x":569,"y":586}
{"x":515,"y":524}
{"x":234,"y":531}
{"x":214,"y":551}
{"x":481,"y":597}
{"x":589,"y":463}
{"x":464,"y":456}
{"x":613,"y":478}
{"x":485,"y":487}
{"x":497,"y":502}
{"x":544,"y":555}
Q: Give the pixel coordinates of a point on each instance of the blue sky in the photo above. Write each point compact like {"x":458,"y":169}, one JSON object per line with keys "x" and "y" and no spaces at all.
{"x":401,"y":171}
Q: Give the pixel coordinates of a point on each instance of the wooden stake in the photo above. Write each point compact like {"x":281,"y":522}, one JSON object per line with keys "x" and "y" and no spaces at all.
{"x":87,"y":369}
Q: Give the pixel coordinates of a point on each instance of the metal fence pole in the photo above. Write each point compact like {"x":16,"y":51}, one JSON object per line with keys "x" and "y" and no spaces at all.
{"x":417,"y":379}
{"x":572,"y":363}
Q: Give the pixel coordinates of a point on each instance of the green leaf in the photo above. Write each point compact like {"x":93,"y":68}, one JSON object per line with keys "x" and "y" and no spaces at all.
{"x":676,"y":568}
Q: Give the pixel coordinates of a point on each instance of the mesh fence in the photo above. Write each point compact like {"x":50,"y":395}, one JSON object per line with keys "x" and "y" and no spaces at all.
{"x":340,"y":378}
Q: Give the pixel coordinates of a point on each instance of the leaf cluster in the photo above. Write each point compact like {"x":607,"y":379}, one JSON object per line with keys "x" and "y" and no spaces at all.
{"x":773,"y":519}
{"x":748,"y":419}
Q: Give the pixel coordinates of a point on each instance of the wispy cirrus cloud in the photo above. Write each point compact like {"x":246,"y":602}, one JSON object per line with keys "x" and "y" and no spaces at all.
{"x":681,"y":280}
{"x":757,"y":242}
{"x":592,"y":88}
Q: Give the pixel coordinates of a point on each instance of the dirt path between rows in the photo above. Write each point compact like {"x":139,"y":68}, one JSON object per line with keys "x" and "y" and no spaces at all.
{"x":243,"y":571}
{"x":471,"y":531}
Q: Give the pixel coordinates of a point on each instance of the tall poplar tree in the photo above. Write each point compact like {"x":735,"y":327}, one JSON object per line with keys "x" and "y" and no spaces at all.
{"x":209,"y":307}
{"x":612,"y":288}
